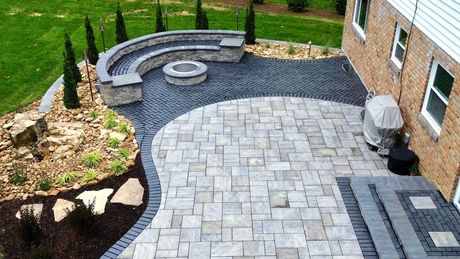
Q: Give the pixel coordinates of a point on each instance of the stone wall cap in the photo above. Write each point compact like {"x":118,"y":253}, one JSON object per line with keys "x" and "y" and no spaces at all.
{"x":231,"y":42}
{"x":126,"y":79}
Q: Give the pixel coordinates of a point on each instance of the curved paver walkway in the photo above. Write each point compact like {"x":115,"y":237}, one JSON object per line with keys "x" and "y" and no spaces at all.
{"x":256,"y":177}
{"x":253,"y":76}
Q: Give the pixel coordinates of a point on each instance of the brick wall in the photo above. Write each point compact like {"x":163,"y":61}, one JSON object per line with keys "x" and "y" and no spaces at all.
{"x":439,"y":159}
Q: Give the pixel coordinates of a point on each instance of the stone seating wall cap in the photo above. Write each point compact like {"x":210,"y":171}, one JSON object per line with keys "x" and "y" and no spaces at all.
{"x":127,"y":79}
{"x":231,"y":42}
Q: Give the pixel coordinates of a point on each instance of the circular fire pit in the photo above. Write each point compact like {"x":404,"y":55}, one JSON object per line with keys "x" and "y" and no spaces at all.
{"x":185,"y":72}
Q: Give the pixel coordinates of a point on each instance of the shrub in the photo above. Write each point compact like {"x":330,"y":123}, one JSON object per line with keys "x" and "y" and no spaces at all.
{"x":113,"y":142}
{"x":290,"y":49}
{"x":124,"y":153}
{"x":258,"y":1}
{"x":123,"y":128}
{"x":29,"y":227}
{"x":70,"y":55}
{"x":89,"y":175}
{"x":71,"y":77}
{"x":93,"y":53}
{"x":110,"y":114}
{"x":250,"y":25}
{"x":110,"y":123}
{"x":341,"y":6}
{"x":92,"y":159}
{"x":297,"y":5}
{"x":18,"y":177}
{"x":201,"y":19}
{"x":82,"y":217}
{"x":66,"y":178}
{"x":40,"y":252}
{"x":44,"y":184}
{"x":93,"y":114}
{"x":159,"y":27}
{"x":120,"y":28}
{"x":117,"y":167}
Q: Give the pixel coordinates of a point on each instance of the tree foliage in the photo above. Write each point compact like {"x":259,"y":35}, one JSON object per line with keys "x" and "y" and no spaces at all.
{"x":71,"y":100}
{"x":93,"y":53}
{"x":250,"y":25}
{"x":120,"y":28}
{"x":70,"y":54}
{"x":297,"y":5}
{"x":341,"y":6}
{"x":159,"y":26}
{"x":201,"y":19}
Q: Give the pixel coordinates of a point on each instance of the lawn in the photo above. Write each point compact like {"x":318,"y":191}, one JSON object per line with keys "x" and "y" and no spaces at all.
{"x":32,"y":35}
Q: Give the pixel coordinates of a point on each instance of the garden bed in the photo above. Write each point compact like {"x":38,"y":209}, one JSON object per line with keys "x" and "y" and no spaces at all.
{"x":62,"y":240}
{"x":291,"y":51}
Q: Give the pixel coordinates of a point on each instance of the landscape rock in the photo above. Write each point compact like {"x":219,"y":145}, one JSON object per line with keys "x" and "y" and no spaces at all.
{"x":23,"y":152}
{"x":99,"y":198}
{"x":120,"y":136}
{"x":61,"y":208}
{"x":27,"y":128}
{"x":130,"y":193}
{"x":37,"y":207}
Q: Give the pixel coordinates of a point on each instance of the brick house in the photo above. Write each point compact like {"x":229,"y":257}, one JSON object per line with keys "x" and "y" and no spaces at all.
{"x":410,"y":49}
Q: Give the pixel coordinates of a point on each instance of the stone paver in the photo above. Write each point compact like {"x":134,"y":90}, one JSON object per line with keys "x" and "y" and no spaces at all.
{"x":242,"y":178}
{"x":444,"y":239}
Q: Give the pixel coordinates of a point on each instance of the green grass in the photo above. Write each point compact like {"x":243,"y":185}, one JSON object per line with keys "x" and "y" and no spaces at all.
{"x":324,"y":5}
{"x":32,"y":45}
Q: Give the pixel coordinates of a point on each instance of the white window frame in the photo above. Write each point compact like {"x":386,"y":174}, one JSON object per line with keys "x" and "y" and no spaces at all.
{"x":361,"y":31}
{"x":395,"y":43}
{"x":457,"y":197}
{"x":434,"y":124}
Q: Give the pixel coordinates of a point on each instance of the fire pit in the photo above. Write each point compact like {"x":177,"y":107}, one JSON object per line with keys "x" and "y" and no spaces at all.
{"x":185,"y":72}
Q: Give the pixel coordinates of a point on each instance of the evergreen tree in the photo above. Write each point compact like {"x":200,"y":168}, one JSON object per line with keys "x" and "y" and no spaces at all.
{"x":71,"y":59}
{"x":250,"y":25}
{"x":201,"y":20}
{"x":71,"y":100}
{"x":159,"y":27}
{"x":341,"y":6}
{"x":120,"y":27}
{"x":93,"y":54}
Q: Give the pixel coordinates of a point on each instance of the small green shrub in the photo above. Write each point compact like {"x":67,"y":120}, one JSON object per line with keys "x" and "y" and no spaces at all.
{"x":124,"y":153}
{"x":66,"y":178}
{"x":44,"y":184}
{"x":18,"y":177}
{"x":29,"y":227}
{"x":123,"y":128}
{"x":89,"y":175}
{"x":118,"y":167}
{"x":93,"y":114}
{"x":92,"y":159}
{"x":110,"y":123}
{"x":82,"y":217}
{"x":290,"y":49}
{"x":113,"y":142}
{"x":297,"y":5}
{"x":110,"y":114}
{"x":40,"y":252}
{"x":326,"y":50}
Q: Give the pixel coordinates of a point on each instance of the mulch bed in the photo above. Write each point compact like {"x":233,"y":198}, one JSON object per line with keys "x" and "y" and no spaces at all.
{"x":61,"y":239}
{"x":271,"y":8}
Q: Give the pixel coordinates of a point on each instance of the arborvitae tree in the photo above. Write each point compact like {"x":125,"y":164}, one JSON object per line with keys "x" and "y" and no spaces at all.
{"x":71,"y":59}
{"x":250,"y":25}
{"x":341,"y":6}
{"x":120,"y":27}
{"x":159,"y":27}
{"x":71,"y":100}
{"x":93,"y":54}
{"x":201,"y":20}
{"x":258,"y":1}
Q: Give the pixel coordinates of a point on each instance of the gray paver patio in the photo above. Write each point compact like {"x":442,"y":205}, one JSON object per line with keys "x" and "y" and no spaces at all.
{"x":256,"y":177}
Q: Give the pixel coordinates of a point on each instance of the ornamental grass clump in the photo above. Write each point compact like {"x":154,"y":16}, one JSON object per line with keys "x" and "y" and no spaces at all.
{"x":89,"y":175}
{"x":117,"y":167}
{"x":44,"y":184}
{"x":18,"y":177}
{"x":124,"y":153}
{"x":66,"y":178}
{"x":123,"y":128}
{"x":113,"y":142}
{"x":92,"y":159}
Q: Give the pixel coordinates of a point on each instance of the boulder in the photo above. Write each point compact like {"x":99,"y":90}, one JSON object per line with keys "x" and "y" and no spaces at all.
{"x":27,"y":128}
{"x":61,"y":208}
{"x":99,"y":198}
{"x":37,"y":207}
{"x":130,"y":193}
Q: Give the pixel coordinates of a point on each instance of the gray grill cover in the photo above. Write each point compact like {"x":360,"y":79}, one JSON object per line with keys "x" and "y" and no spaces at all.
{"x":382,"y":120}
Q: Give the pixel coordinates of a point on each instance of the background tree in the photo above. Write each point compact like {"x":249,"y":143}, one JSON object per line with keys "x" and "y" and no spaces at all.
{"x":341,"y":6}
{"x":159,"y":27}
{"x":250,"y":25}
{"x":201,"y":19}
{"x":71,"y":59}
{"x":297,"y":5}
{"x":120,"y":27}
{"x":258,"y":1}
{"x":71,"y":100}
{"x":93,"y":54}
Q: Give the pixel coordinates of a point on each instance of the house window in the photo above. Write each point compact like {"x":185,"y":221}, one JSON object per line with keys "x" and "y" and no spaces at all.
{"x":437,"y":96}
{"x":399,"y":46}
{"x":361,"y":15}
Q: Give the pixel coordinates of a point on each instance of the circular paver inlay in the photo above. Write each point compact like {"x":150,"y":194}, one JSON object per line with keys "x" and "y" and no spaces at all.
{"x":256,"y":177}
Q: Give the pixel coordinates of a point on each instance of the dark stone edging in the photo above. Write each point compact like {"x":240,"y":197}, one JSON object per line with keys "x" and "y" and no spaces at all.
{"x":146,"y":139}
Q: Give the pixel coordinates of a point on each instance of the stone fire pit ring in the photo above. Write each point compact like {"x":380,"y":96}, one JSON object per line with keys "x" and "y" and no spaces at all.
{"x":185,"y":72}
